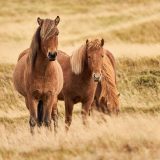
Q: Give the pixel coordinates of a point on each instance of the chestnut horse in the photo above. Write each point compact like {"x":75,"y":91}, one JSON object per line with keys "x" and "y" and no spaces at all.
{"x":82,"y":72}
{"x":38,"y":76}
{"x":107,"y":95}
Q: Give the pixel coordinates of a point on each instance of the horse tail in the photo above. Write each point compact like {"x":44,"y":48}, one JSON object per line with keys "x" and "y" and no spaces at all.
{"x":40,"y":112}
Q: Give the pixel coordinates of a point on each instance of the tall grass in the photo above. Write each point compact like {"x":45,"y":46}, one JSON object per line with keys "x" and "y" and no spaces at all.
{"x":133,"y":134}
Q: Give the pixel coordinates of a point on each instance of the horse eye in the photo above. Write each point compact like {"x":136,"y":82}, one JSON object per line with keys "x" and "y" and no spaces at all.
{"x":89,"y":56}
{"x":102,"y":56}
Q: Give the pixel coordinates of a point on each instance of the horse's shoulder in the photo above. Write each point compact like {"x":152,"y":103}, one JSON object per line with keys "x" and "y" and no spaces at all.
{"x":26,"y":51}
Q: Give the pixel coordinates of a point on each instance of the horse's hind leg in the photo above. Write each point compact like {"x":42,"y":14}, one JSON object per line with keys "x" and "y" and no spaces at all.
{"x":55,"y":117}
{"x":68,"y":113}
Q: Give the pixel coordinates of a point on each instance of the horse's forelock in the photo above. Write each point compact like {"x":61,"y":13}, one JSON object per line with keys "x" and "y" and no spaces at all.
{"x":77,"y":60}
{"x":47,"y":28}
{"x":94,"y":44}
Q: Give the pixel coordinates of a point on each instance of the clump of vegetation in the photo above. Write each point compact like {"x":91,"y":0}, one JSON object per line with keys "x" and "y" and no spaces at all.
{"x":147,"y":81}
{"x":155,"y":72}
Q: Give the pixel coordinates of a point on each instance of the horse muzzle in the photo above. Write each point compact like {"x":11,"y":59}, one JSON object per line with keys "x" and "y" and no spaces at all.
{"x":52,"y":56}
{"x":97,"y":77}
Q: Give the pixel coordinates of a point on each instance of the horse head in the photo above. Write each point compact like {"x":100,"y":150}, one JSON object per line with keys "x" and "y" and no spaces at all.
{"x":94,"y":55}
{"x":49,"y":37}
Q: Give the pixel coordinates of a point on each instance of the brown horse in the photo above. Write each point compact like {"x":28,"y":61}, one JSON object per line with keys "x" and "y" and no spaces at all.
{"x":107,"y":95}
{"x":38,"y":76}
{"x":81,"y":71}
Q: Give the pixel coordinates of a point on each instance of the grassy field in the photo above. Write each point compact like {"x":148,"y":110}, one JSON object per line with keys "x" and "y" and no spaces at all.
{"x":131,"y":30}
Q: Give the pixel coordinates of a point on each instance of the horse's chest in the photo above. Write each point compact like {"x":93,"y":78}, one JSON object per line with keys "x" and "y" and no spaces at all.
{"x":82,"y":92}
{"x":42,"y":85}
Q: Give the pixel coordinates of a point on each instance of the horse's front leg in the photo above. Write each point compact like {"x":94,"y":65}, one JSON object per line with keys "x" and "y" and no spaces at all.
{"x":86,"y":106}
{"x":31,"y":104}
{"x":55,"y":114}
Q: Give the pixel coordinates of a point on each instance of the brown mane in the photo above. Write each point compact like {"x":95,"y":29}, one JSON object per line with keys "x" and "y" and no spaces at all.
{"x":35,"y":46}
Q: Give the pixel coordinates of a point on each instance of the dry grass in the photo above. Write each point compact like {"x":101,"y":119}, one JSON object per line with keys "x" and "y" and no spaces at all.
{"x":134,"y":134}
{"x":130,"y":29}
{"x":123,"y":137}
{"x":141,"y":33}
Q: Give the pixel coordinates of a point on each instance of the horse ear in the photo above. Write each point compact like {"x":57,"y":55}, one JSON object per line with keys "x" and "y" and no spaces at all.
{"x":102,"y":42}
{"x":40,"y":21}
{"x":57,"y":20}
{"x":87,"y":41}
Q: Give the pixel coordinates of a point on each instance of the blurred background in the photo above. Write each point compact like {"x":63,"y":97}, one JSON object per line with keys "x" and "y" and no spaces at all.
{"x":130,"y":27}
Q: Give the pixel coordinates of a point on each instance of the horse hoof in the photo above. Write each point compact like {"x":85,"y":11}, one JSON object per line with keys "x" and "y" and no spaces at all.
{"x":39,"y":124}
{"x":32,"y":122}
{"x":32,"y":130}
{"x":47,"y":123}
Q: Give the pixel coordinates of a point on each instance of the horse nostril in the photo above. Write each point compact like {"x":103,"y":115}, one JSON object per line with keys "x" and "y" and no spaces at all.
{"x":97,"y":77}
{"x":52,"y":55}
{"x":55,"y":53}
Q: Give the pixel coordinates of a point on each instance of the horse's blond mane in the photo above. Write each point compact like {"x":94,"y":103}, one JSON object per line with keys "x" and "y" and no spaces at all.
{"x":77,"y":59}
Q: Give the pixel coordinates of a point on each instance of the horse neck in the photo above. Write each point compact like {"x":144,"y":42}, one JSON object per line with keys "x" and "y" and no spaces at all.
{"x":86,"y":72}
{"x":41,"y":64}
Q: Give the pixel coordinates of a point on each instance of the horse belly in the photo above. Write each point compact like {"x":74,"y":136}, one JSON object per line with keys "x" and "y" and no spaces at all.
{"x":57,"y":78}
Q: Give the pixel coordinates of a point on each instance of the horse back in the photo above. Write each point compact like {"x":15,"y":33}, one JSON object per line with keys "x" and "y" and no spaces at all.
{"x":64,"y":61}
{"x":19,"y":71}
{"x":23,"y":53}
